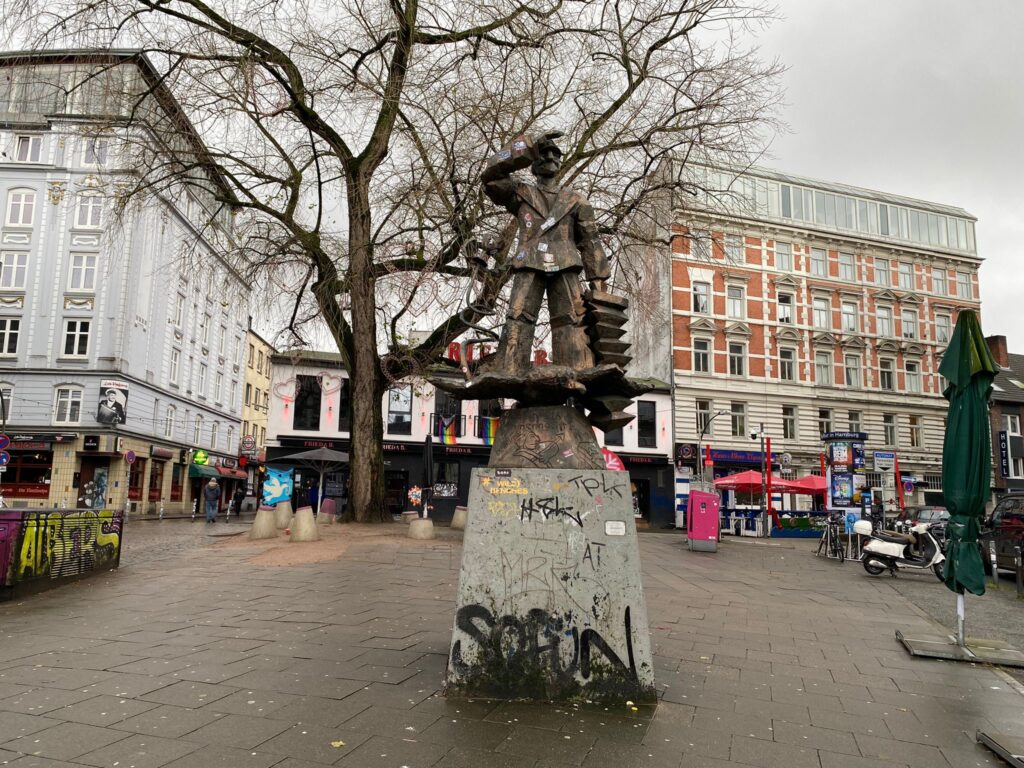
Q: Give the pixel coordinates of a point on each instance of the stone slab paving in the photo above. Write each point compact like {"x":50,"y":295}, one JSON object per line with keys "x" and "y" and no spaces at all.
{"x":203,"y":654}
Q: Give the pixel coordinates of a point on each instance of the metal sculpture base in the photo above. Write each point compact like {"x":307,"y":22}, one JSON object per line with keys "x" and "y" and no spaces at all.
{"x":974,"y":650}
{"x":604,"y":390}
{"x":550,"y":605}
{"x":552,"y":437}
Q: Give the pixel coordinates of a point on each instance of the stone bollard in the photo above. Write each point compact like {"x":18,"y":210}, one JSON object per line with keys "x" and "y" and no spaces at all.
{"x":421,"y":528}
{"x":327,"y":513}
{"x":304,"y":526}
{"x":460,"y":517}
{"x":264,"y":527}
{"x":409,"y":515}
{"x":283,"y":514}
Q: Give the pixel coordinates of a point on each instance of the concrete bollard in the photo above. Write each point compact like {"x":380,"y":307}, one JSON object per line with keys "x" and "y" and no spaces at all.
{"x":304,"y":526}
{"x":264,"y":527}
{"x":421,"y":528}
{"x":409,"y":515}
{"x":460,"y":518}
{"x":327,"y":513}
{"x":283,"y":514}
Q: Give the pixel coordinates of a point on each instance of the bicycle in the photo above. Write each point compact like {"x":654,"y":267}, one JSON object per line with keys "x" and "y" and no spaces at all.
{"x":830,"y":542}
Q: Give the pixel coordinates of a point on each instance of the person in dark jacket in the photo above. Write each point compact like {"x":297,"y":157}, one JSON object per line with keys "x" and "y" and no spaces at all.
{"x":211,"y":499}
{"x":238,"y":498}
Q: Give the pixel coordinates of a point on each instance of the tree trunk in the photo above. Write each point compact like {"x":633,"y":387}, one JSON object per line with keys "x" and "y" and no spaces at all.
{"x":366,"y":497}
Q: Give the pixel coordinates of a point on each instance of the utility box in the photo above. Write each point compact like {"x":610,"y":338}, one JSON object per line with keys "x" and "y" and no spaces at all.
{"x":702,"y":521}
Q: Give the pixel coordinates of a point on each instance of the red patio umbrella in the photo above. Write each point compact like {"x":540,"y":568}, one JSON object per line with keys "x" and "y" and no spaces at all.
{"x":811,"y":485}
{"x":612,"y":462}
{"x":750,"y":482}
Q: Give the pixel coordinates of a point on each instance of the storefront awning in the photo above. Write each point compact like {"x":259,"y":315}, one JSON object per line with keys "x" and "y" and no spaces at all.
{"x":201,"y":470}
{"x":233,"y":473}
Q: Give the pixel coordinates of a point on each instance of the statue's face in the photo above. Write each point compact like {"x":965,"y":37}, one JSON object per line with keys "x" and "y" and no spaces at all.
{"x":548,"y":161}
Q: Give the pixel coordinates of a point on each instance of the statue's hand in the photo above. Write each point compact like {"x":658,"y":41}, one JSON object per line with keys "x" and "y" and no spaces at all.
{"x":547,"y":138}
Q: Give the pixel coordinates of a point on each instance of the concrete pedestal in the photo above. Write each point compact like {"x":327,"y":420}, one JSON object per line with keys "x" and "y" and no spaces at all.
{"x":550,"y":604}
{"x":460,"y":517}
{"x":264,"y":527}
{"x":304,"y":526}
{"x":422,"y":528}
{"x":327,"y":512}
{"x":283,"y":514}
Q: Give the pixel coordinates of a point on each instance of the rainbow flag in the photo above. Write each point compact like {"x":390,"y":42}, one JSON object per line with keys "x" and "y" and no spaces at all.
{"x":489,"y":429}
{"x":447,"y":429}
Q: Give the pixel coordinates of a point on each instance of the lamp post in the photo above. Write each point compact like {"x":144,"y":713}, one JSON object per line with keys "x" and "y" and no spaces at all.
{"x":700,"y":438}
{"x":764,"y":491}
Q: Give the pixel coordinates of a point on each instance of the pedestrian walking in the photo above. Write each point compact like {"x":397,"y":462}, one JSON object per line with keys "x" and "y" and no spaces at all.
{"x":211,"y":495}
{"x":238,"y":498}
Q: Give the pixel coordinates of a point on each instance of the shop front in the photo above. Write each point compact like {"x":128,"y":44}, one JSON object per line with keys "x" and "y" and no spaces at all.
{"x":652,"y":484}
{"x":28,"y":478}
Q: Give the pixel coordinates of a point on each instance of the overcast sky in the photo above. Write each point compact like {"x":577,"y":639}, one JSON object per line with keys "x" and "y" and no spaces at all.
{"x":920,"y":98}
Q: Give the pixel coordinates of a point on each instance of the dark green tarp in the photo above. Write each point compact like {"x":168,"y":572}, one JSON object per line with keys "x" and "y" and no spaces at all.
{"x":969,"y":369}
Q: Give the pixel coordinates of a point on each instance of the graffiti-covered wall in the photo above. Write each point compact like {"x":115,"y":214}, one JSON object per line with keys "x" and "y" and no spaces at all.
{"x":41,"y":544}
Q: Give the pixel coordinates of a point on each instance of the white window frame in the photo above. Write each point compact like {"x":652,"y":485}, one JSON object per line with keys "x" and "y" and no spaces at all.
{"x":197,"y":430}
{"x":33,"y":144}
{"x":179,"y":310}
{"x":706,"y":352}
{"x":964,"y":289}
{"x":13,"y":270}
{"x":883,"y":329}
{"x":218,"y":386}
{"x":738,"y":419}
{"x":73,"y":399}
{"x":174,"y":371}
{"x":740,"y":359}
{"x":702,"y":417}
{"x":20,"y":200}
{"x":703,"y":290}
{"x":201,"y":383}
{"x":912,"y":378}
{"x":849,"y":326}
{"x":819,"y":266}
{"x":943,"y":331}
{"x":790,"y":423}
{"x":205,"y":328}
{"x":783,"y":256}
{"x":1017,"y":467}
{"x":890,"y":431}
{"x":1011,"y":423}
{"x":847,"y":267}
{"x":823,"y":362}
{"x":852,"y":373}
{"x":940,"y":281}
{"x":916,"y":432}
{"x":905,"y":275}
{"x":911,"y":325}
{"x":790,"y":363}
{"x":855,"y":420}
{"x":780,"y":304}
{"x":700,"y":244}
{"x":734,"y":248}
{"x":822,"y":317}
{"x":84,"y":266}
{"x":883,"y":272}
{"x":887,"y":366}
{"x":98,"y":147}
{"x":234,"y":394}
{"x":76,"y":334}
{"x":6,"y":398}
{"x":9,"y":334}
{"x":222,"y":340}
{"x":89,"y":211}
{"x":735,"y":308}
{"x":215,"y":435}
{"x":825,"y":416}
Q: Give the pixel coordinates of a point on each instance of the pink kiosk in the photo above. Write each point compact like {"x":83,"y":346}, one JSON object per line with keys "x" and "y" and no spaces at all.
{"x":702,"y":521}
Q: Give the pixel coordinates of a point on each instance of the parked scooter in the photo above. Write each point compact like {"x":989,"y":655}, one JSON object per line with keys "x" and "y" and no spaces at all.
{"x":889,"y":550}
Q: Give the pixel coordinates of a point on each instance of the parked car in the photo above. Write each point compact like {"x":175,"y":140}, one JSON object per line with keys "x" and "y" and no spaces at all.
{"x":929,"y":514}
{"x":1006,"y":528}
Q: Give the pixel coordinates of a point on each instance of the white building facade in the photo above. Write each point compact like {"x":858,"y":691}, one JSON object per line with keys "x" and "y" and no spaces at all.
{"x":120,"y":361}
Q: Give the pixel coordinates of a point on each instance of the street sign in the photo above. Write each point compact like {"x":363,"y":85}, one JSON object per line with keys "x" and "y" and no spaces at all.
{"x":884,"y":460}
{"x":130,"y":457}
{"x":248,"y":443}
{"x":5,"y":457}
{"x":4,"y":442}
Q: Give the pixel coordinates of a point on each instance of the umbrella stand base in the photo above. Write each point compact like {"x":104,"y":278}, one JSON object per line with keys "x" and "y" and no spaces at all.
{"x":974,"y":650}
{"x":1010,"y":748}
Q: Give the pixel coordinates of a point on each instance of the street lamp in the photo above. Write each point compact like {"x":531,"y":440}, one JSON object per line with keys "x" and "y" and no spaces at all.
{"x":700,"y":438}
{"x":759,"y":434}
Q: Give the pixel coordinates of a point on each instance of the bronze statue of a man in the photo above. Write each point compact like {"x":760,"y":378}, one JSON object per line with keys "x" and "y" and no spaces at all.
{"x":557,"y":241}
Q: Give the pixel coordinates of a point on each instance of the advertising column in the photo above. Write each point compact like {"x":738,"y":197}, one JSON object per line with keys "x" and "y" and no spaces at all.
{"x":846,"y":474}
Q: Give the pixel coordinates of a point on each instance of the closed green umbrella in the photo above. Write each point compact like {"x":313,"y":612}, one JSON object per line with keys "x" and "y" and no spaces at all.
{"x":966,"y":456}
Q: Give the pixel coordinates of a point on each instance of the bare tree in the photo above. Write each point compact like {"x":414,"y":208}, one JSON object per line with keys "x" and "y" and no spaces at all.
{"x":352,"y":136}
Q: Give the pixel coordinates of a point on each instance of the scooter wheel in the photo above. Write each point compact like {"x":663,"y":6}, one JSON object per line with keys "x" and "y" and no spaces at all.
{"x":939,"y":569}
{"x":874,"y":567}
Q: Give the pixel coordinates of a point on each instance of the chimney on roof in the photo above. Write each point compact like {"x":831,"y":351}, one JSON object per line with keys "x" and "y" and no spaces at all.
{"x":997,"y":346}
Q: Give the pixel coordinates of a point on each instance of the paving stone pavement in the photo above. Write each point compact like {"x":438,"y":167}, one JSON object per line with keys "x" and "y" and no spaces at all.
{"x":198,"y":654}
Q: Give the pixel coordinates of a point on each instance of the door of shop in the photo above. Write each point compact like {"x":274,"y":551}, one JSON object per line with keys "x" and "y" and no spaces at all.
{"x":94,"y":482}
{"x":396,"y":486}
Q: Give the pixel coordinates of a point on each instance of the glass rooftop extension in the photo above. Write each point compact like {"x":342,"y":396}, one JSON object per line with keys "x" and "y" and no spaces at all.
{"x":764,"y":194}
